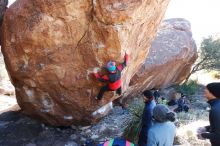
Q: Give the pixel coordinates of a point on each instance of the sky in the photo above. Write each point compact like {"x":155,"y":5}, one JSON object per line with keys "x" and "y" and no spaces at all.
{"x":202,"y":14}
{"x":10,"y":2}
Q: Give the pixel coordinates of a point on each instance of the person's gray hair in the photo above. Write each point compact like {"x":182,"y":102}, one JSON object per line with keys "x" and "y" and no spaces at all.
{"x":161,"y":113}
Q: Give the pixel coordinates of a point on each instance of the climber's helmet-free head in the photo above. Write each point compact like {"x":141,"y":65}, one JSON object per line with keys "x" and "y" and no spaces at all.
{"x":110,"y":66}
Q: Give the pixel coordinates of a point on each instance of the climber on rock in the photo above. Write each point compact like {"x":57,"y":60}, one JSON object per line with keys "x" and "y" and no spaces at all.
{"x":113,"y":78}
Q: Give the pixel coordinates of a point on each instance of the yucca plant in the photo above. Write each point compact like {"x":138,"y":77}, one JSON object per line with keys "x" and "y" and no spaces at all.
{"x":132,"y":131}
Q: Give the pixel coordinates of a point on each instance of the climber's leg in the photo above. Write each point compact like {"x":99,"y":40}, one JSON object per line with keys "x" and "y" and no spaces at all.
{"x":118,"y":91}
{"x":102,"y":91}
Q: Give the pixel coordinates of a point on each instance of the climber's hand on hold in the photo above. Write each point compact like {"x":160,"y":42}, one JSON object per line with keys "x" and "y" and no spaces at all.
{"x":96,"y":75}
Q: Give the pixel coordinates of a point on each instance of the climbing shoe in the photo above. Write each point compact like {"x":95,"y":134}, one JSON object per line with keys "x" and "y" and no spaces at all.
{"x":97,"y":98}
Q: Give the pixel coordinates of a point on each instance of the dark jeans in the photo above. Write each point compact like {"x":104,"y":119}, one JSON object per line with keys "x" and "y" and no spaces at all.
{"x":106,"y":88}
{"x":142,"y":141}
{"x":184,"y":108}
{"x":215,"y":143}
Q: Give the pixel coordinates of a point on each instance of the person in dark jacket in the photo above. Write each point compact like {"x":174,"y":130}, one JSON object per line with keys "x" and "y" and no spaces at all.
{"x":212,"y":132}
{"x":182,"y":105}
{"x":156,"y":95}
{"x":147,"y":120}
{"x":113,"y":79}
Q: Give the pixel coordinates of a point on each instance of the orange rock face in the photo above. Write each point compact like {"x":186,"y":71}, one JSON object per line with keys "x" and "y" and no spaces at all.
{"x":51,"y":47}
{"x":170,"y":59}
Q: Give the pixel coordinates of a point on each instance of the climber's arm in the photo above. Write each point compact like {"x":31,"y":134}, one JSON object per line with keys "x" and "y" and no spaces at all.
{"x":124,"y":64}
{"x":103,"y":78}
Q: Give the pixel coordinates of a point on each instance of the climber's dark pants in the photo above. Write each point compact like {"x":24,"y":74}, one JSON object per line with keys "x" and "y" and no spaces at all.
{"x":106,"y":88}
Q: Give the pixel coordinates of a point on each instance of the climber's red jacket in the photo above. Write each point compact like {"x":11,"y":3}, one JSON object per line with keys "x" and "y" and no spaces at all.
{"x":114,"y":79}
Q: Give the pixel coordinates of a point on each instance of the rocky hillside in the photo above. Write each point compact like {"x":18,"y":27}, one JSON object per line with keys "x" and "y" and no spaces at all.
{"x":6,"y":88}
{"x":7,"y":91}
{"x":20,"y":130}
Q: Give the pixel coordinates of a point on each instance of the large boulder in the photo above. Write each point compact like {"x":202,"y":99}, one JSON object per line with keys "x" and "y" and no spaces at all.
{"x":171,"y":56}
{"x":51,"y":47}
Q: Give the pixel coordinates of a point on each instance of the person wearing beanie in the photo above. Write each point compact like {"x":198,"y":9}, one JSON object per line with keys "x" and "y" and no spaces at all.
{"x":163,"y":131}
{"x":212,"y":132}
{"x":147,"y":120}
{"x":182,"y":105}
{"x":113,"y":79}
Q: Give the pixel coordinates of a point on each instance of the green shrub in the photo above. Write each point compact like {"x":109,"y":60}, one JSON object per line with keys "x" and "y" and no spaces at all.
{"x":188,"y":88}
{"x":132,"y":131}
{"x":217,"y":76}
{"x":214,"y":74}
